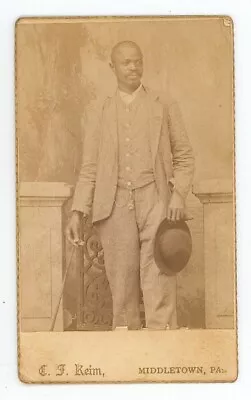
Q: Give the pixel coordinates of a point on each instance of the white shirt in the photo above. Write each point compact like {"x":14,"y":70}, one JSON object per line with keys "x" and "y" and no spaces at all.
{"x":129,"y":97}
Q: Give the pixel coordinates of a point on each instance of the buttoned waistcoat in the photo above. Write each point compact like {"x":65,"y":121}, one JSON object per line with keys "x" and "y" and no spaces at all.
{"x":135,"y":163}
{"x":171,"y":153}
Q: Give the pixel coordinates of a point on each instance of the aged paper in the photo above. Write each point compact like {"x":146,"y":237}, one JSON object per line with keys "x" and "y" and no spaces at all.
{"x":125,"y":197}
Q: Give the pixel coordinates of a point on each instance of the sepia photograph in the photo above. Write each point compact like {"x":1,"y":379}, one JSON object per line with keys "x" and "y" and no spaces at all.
{"x":126,"y":199}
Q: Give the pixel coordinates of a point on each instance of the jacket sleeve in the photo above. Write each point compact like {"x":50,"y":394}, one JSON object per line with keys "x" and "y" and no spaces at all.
{"x":182,"y":153}
{"x":84,"y":190}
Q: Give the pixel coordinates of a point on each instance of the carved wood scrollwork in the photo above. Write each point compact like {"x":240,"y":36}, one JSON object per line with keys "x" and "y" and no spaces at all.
{"x":95,"y":312}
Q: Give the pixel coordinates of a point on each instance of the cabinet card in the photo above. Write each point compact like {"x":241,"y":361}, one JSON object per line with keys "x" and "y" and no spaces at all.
{"x":126,"y":199}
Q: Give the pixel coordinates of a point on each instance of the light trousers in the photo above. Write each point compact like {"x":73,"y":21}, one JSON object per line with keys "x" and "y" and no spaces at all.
{"x":127,"y":237}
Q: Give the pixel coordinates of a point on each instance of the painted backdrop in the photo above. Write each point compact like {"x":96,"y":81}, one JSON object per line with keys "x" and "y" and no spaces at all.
{"x":63,"y":68}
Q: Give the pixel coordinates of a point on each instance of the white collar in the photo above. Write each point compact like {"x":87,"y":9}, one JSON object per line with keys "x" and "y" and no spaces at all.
{"x":129,"y":97}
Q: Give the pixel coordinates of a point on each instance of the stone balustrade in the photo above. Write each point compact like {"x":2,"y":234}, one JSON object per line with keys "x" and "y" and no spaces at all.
{"x":41,"y":253}
{"x":219,"y":251}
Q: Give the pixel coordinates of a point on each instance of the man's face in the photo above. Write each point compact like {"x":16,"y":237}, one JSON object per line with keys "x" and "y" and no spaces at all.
{"x":128,"y":67}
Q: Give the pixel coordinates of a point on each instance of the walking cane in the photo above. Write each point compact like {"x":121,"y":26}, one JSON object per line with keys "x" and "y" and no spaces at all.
{"x":62,"y":289}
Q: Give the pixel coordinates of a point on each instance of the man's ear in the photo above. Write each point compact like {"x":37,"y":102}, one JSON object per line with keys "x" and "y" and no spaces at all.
{"x":111,"y":66}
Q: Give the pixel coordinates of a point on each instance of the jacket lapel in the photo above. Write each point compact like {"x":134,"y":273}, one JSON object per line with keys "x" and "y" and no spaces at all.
{"x":111,"y":121}
{"x":155,"y":110}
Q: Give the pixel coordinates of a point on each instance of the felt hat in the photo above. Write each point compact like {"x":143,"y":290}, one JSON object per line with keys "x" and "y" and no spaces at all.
{"x":172,"y":246}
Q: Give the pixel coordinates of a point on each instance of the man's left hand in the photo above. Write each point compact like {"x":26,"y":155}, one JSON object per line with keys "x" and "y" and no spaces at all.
{"x":176,"y":208}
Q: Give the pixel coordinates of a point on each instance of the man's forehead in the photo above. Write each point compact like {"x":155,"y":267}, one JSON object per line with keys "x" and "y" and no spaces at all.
{"x":128,"y":52}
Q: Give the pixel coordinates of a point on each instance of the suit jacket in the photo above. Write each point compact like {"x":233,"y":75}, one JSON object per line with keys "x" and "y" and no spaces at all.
{"x":172,"y":155}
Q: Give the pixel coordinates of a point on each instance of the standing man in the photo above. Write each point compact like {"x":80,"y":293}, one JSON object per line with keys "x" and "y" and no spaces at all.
{"x":131,"y":154}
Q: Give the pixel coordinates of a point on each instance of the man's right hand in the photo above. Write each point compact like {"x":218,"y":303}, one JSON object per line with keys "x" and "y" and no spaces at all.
{"x":72,"y":231}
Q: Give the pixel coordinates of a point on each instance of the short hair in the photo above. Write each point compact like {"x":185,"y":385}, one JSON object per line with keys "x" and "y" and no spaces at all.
{"x":125,"y":43}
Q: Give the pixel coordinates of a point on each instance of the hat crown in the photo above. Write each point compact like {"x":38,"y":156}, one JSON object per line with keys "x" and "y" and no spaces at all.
{"x":173,"y":246}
